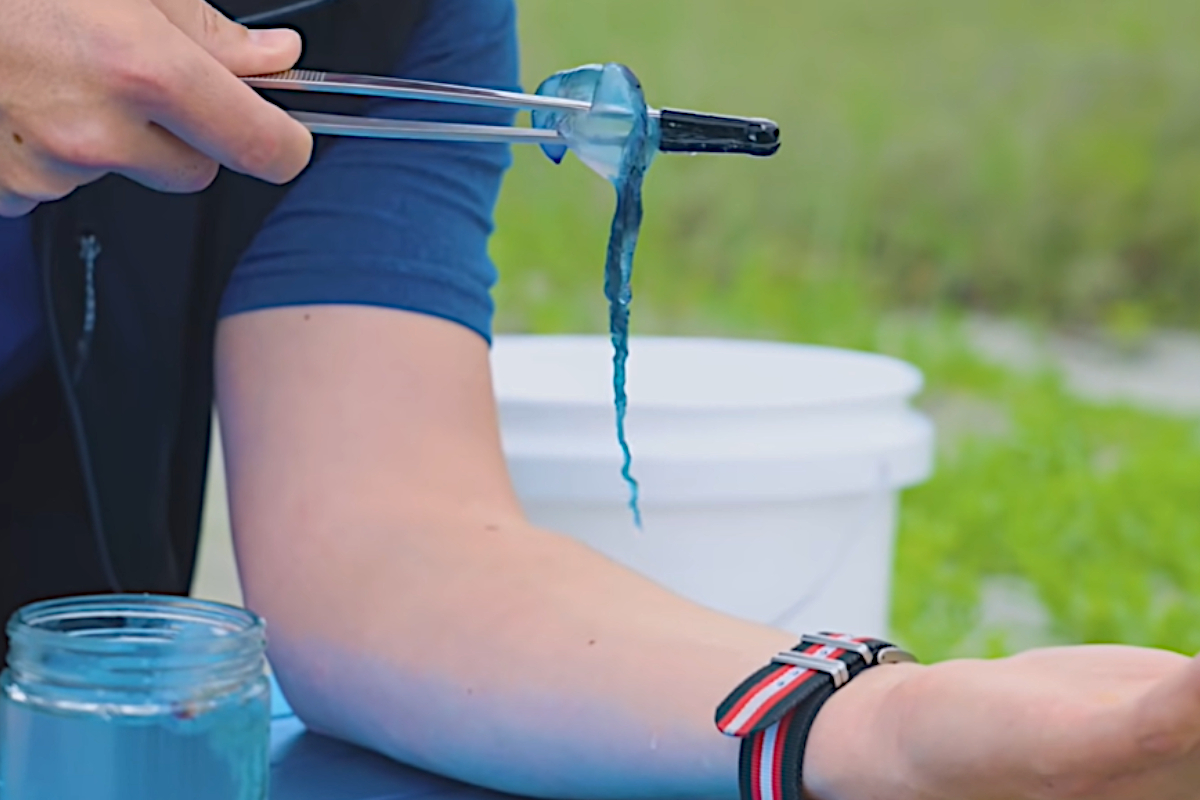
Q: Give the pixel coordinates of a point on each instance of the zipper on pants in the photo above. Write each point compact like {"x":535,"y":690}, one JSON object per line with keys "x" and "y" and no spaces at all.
{"x":66,"y":381}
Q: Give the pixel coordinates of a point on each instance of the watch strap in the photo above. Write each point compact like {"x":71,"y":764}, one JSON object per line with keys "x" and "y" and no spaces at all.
{"x":773,"y":710}
{"x":769,"y":694}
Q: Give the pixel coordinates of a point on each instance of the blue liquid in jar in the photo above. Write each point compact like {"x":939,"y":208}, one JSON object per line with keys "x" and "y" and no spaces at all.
{"x":134,"y":698}
{"x":218,"y":755}
{"x":618,"y":139}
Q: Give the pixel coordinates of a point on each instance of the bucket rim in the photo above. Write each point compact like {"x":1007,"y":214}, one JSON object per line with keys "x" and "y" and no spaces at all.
{"x":905,"y":382}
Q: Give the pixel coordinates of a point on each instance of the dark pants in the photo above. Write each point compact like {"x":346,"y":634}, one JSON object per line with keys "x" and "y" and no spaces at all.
{"x":46,"y":546}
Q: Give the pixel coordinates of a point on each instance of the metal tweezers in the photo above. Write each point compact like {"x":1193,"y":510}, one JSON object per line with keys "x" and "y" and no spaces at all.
{"x":682,"y":131}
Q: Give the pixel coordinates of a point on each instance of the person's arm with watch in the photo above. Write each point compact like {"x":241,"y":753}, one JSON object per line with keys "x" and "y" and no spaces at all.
{"x":414,"y":609}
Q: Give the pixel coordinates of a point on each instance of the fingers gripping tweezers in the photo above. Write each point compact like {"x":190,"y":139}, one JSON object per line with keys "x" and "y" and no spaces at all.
{"x":682,"y":131}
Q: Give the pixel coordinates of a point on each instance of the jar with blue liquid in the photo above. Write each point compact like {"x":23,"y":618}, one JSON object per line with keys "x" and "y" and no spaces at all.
{"x":132,"y":697}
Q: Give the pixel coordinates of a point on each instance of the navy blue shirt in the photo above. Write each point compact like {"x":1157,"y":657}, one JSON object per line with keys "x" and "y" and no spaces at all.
{"x":396,"y":224}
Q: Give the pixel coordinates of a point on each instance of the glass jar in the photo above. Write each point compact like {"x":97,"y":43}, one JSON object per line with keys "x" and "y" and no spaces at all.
{"x":134,"y":697}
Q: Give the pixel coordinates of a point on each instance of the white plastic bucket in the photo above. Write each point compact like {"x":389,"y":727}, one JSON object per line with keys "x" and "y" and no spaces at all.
{"x":769,"y":472}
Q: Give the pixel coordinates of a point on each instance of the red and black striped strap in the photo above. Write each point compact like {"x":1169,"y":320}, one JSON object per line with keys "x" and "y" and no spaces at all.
{"x":773,"y":710}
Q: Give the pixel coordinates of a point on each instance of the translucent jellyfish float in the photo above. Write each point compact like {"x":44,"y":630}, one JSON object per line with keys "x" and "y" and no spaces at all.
{"x":599,"y":112}
{"x":618,"y":137}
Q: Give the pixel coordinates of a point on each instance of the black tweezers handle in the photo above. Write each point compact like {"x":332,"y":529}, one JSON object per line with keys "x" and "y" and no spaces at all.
{"x":689,"y":132}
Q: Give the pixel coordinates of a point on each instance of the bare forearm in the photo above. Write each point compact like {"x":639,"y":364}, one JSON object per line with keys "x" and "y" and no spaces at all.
{"x":528,"y":664}
{"x":414,"y":611}
{"x":412,"y":608}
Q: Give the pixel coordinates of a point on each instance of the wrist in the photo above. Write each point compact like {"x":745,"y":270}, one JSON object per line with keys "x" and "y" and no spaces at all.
{"x":775,"y":709}
{"x":854,"y":748}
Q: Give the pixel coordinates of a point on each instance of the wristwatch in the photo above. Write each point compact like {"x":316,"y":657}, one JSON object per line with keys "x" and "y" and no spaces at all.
{"x":773,"y":710}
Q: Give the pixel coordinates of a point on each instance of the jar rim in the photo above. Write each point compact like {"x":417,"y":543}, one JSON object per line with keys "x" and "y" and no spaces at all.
{"x":31,"y":621}
{"x":138,"y":650}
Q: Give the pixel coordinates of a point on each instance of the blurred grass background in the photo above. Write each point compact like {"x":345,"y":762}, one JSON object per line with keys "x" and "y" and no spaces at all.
{"x":1040,"y":160}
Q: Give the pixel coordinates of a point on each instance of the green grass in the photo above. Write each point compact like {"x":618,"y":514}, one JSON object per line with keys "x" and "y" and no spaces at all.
{"x":1013,"y":155}
{"x":1041,"y":159}
{"x":1096,"y":507}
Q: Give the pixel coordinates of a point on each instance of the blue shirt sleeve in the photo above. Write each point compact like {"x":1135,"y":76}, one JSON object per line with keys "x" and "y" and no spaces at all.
{"x":396,"y":223}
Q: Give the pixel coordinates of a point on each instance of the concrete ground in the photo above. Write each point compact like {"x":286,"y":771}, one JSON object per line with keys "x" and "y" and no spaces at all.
{"x":1159,"y":373}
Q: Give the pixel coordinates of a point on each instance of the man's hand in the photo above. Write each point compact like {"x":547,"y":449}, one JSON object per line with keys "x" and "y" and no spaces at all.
{"x":143,"y":88}
{"x":1101,"y":723}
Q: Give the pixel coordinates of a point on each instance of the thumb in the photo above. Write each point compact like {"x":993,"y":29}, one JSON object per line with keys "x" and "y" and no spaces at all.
{"x":239,"y":49}
{"x":1166,"y":719}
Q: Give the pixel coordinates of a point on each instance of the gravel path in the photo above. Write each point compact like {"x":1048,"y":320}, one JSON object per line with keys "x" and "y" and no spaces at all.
{"x":1161,"y":374}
